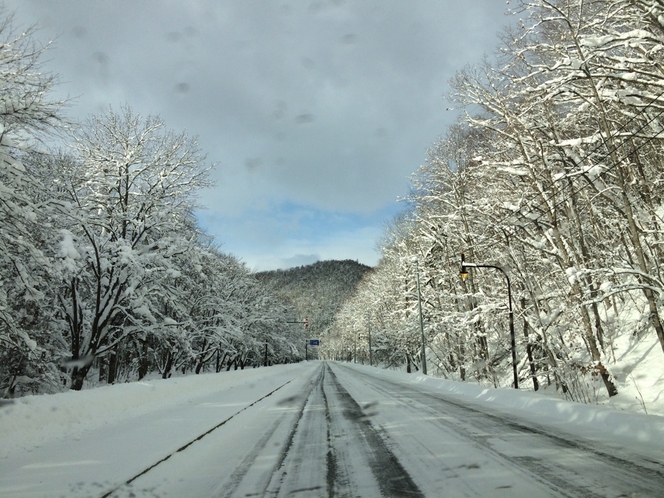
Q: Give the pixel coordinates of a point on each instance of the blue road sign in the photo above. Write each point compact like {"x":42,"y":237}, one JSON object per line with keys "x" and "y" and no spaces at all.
{"x":314,"y":342}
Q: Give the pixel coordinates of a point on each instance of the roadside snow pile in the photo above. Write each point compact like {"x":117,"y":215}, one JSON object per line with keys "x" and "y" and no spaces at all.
{"x":31,"y":421}
{"x":612,"y":427}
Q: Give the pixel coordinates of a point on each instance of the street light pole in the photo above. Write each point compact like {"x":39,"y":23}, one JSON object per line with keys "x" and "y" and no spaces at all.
{"x":464,"y":273}
{"x":370,"y":352}
{"x":355,"y":353}
{"x":419,"y":305}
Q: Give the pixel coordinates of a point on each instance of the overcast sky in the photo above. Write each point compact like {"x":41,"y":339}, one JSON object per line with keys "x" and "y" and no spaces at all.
{"x":316,"y":112}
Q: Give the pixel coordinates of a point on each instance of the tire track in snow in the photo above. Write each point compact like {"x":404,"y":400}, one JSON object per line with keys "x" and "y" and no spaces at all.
{"x":333,"y":450}
{"x":393,"y":480}
{"x":251,"y":477}
{"x":300,"y":467}
{"x":479,"y":439}
{"x":187,"y":445}
{"x":490,"y":431}
{"x":241,"y":471}
{"x":330,"y":457}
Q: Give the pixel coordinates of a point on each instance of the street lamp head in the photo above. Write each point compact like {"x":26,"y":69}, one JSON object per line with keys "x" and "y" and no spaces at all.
{"x":464,"y":269}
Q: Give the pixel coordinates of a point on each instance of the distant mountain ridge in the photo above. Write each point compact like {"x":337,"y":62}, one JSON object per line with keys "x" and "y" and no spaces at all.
{"x":317,"y":290}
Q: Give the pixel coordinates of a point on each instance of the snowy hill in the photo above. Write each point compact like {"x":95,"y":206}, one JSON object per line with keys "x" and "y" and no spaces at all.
{"x":317,"y":290}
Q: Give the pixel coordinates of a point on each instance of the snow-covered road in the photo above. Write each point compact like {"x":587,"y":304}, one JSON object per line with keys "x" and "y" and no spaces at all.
{"x":318,"y":429}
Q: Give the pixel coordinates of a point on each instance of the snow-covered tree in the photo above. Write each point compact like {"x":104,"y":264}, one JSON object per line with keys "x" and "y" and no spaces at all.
{"x":552,"y":174}
{"x":127,"y":195}
{"x":26,"y":113}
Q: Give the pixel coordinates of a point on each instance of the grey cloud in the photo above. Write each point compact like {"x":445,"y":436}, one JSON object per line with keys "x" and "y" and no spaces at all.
{"x":304,"y":118}
{"x":327,"y":103}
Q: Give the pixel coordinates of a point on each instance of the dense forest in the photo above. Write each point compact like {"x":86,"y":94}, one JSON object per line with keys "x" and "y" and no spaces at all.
{"x":316,"y":291}
{"x":552,"y":177}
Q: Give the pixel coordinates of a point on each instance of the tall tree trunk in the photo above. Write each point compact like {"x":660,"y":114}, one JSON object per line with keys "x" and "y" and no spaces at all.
{"x":113,"y":365}
{"x":78,"y":377}
{"x":143,"y":359}
{"x":103,"y":368}
{"x":201,"y":359}
{"x":168,"y":366}
{"x":595,"y":352}
{"x":529,"y":349}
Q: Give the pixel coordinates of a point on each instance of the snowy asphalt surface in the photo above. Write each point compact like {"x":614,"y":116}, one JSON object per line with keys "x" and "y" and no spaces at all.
{"x":327,"y":429}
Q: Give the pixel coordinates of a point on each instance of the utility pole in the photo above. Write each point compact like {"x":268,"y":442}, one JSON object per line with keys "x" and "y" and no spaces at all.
{"x":419,"y":305}
{"x":355,"y":355}
{"x":370,"y":350}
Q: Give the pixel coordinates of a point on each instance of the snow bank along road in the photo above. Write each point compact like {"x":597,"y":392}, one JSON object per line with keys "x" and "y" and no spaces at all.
{"x":318,"y":429}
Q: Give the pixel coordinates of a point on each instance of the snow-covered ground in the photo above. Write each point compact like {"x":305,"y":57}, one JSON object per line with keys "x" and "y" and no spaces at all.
{"x":636,"y":365}
{"x":436,"y":433}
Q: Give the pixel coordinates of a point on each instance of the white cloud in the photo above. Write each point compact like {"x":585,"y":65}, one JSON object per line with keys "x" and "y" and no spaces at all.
{"x":328,"y":105}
